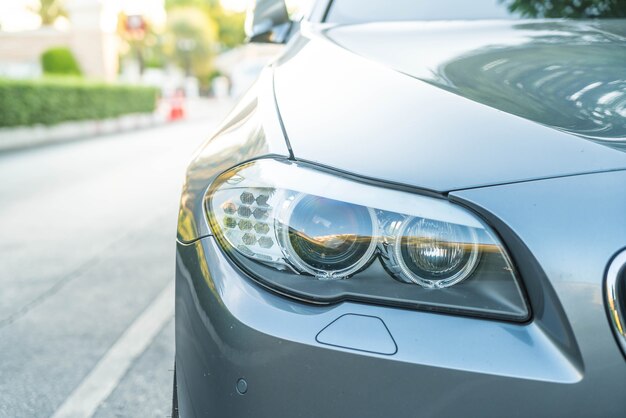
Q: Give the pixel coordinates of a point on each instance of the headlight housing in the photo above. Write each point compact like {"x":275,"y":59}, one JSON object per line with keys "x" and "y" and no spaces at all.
{"x":321,"y":237}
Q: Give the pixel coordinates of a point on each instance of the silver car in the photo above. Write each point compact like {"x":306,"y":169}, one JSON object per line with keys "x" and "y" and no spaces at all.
{"x":419,"y":210}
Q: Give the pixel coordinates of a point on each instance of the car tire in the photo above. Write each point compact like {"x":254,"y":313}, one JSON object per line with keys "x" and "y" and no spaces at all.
{"x":174,"y":396}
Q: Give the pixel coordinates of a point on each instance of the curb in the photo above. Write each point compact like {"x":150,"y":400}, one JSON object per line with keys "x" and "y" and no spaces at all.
{"x":12,"y":139}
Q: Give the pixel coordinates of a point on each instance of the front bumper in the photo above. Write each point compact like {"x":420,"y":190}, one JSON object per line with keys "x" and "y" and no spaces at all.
{"x":564,"y":362}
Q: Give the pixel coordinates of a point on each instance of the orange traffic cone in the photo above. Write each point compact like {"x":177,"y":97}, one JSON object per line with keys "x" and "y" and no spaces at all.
{"x":177,"y":106}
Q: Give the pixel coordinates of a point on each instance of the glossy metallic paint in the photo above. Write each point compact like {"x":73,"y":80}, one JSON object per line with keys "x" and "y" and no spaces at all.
{"x":561,"y":224}
{"x":565,"y":359}
{"x":358,"y":115}
{"x":251,"y":131}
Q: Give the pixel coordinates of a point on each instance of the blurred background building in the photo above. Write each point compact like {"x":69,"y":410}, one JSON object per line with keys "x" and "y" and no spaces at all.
{"x":193,"y":45}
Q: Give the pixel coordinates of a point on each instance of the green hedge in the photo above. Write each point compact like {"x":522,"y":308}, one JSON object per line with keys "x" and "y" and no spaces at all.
{"x":59,"y":61}
{"x":51,"y":101}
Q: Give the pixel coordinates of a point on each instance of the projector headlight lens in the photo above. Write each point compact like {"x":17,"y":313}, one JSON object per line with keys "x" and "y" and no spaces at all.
{"x":299,"y":231}
{"x":327,"y":238}
{"x":435,"y":254}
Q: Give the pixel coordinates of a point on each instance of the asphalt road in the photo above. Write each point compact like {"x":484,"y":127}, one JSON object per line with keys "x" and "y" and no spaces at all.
{"x":87,"y":240}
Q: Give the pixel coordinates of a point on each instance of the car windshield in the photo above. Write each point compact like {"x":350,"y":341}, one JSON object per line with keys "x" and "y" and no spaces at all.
{"x":359,"y":11}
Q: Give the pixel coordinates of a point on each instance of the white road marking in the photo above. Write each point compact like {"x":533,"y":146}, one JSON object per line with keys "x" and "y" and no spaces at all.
{"x":106,"y":375}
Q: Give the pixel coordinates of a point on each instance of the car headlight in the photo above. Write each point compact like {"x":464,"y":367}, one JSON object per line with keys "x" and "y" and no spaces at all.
{"x":321,"y":237}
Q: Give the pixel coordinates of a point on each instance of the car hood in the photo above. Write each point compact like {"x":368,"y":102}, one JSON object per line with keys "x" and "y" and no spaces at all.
{"x":454,"y":105}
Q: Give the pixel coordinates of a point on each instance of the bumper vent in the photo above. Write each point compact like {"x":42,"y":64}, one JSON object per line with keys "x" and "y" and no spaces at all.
{"x":616,"y":297}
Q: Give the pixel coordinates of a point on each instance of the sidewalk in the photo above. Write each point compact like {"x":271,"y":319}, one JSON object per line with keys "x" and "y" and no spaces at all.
{"x":12,"y":139}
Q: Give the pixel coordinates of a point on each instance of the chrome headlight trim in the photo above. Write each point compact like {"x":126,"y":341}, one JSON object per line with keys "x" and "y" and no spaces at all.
{"x":494,"y":291}
{"x":614,"y":291}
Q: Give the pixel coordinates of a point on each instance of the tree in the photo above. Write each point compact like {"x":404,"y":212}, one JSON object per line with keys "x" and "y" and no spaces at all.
{"x":50,"y":10}
{"x":575,"y":9}
{"x":230,"y":30}
{"x":196,"y":31}
{"x":144,"y":43}
{"x":191,"y":38}
{"x":229,"y":25}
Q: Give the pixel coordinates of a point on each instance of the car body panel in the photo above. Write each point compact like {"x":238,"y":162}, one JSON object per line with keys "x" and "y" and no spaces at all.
{"x":538,"y":154}
{"x":358,"y":115}
{"x":565,"y":359}
{"x":252,"y":130}
{"x":573,"y":231}
{"x":565,"y":74}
